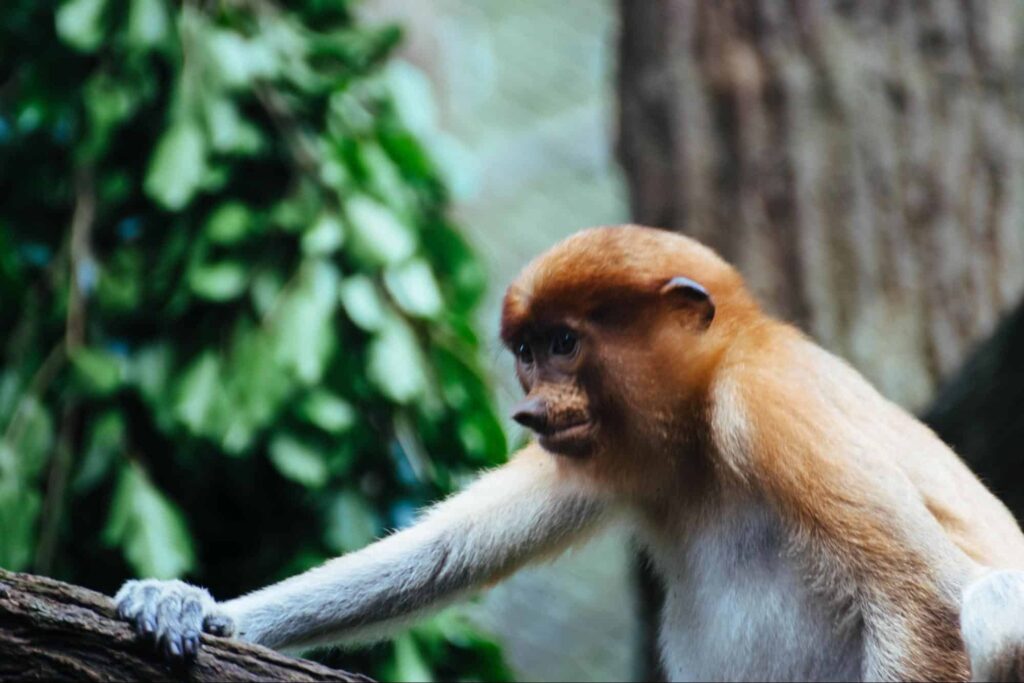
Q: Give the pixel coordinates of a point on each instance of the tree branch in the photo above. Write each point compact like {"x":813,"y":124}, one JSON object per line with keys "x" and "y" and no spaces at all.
{"x":51,"y":630}
{"x":81,"y":280}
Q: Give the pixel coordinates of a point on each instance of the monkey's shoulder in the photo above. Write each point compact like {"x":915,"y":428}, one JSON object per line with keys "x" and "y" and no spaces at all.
{"x":796,"y":419}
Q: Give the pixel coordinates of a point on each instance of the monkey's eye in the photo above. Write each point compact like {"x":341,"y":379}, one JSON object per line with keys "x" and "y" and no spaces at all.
{"x":564,"y":343}
{"x":524,"y":353}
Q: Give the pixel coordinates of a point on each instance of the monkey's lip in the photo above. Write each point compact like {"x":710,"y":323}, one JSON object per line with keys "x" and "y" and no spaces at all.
{"x":570,"y":439}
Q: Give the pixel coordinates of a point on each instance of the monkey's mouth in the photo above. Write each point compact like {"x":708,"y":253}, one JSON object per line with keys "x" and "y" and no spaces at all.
{"x":571,"y":439}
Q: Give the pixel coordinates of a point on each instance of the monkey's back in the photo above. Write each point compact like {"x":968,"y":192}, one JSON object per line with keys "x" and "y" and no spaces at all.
{"x":971,"y":516}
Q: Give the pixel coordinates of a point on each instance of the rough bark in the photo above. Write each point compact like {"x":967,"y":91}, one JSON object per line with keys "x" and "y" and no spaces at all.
{"x":859,"y":161}
{"x":55,"y":631}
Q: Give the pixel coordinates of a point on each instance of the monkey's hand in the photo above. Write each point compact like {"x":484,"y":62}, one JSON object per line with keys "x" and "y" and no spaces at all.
{"x":171,"y":615}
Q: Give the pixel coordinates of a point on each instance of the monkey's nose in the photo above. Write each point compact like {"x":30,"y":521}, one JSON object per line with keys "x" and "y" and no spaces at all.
{"x":532,"y":414}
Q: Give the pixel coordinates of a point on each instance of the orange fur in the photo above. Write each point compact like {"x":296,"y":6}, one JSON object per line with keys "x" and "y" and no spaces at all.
{"x":607,"y":282}
{"x":884,"y":518}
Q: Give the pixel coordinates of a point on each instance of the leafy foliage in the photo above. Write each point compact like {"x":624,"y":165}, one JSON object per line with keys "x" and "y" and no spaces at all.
{"x":235,"y":319}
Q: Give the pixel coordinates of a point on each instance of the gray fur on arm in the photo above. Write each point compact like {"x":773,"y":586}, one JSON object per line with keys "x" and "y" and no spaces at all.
{"x":511,"y":515}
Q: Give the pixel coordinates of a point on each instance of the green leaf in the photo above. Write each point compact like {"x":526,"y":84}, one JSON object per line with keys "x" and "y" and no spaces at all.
{"x":19,"y":512}
{"x":255,"y":388}
{"x":396,"y":363}
{"x":229,"y":223}
{"x":229,"y":132}
{"x":108,"y":104}
{"x":410,"y":664}
{"x":80,"y":23}
{"x":349,"y":113}
{"x":465,"y":277}
{"x":218,"y":281}
{"x":482,"y":437}
{"x":10,"y":389}
{"x":302,"y":322}
{"x":454,"y":627}
{"x":334,"y":174}
{"x":412,"y":96}
{"x":197,"y":392}
{"x":325,"y":237}
{"x":292,"y":214}
{"x":378,"y":236}
{"x":215,"y":178}
{"x":328,"y":411}
{"x":100,"y":372}
{"x":105,"y":443}
{"x":240,"y":61}
{"x":177,"y":166}
{"x":298,"y":462}
{"x":32,"y":441}
{"x":266,"y":287}
{"x":386,"y":177}
{"x":351,"y":523}
{"x":120,"y":287}
{"x":149,"y":528}
{"x":363,"y":303}
{"x":414,"y":288}
{"x":149,"y":371}
{"x":148,"y":24}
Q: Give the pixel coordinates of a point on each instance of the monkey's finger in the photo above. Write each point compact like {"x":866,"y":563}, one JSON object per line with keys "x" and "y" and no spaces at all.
{"x":169,"y":646}
{"x":126,"y":609}
{"x":146,"y":617}
{"x":219,"y":625}
{"x":191,"y":623}
{"x":127,"y":600}
{"x":169,"y":625}
{"x":190,"y":645}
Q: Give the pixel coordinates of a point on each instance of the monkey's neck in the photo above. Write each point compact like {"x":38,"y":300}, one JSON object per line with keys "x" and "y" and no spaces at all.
{"x":659,"y":481}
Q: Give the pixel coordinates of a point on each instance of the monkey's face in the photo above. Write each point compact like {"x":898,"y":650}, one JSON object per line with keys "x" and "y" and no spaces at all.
{"x":601,"y":386}
{"x":549,"y":361}
{"x":610,"y":329}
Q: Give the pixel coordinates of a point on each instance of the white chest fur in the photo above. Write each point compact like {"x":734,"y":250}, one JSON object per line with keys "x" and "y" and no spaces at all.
{"x":738,"y":608}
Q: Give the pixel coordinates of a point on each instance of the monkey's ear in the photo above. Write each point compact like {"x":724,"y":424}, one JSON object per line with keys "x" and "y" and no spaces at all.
{"x":691,"y":295}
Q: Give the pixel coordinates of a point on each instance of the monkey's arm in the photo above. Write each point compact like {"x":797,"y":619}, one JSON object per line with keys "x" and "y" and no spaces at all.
{"x":522,"y":511}
{"x":510,"y":516}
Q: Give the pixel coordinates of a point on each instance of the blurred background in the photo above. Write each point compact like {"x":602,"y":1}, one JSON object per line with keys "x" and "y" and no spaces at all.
{"x":252,"y":253}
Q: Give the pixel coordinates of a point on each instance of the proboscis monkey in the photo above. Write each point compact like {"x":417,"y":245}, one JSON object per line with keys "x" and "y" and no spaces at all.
{"x":803,"y":526}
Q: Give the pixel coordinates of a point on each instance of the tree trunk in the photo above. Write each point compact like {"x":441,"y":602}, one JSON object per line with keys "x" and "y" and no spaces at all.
{"x":54,"y":631}
{"x":860,"y":162}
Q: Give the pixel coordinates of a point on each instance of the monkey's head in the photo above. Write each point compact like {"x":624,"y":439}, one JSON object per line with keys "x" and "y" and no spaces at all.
{"x":616,"y":332}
